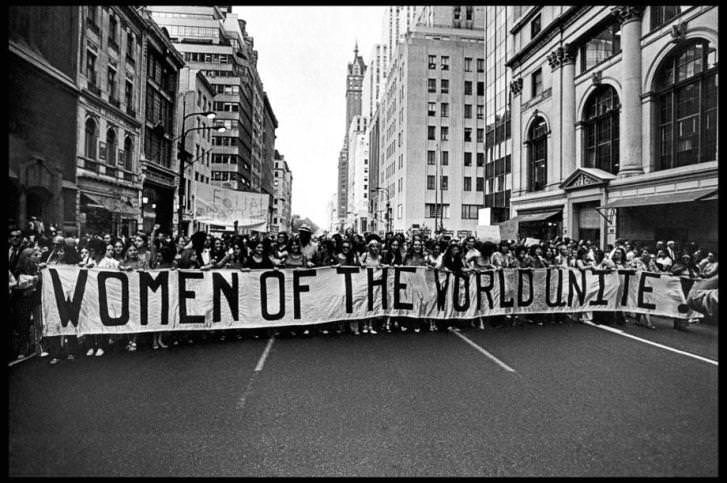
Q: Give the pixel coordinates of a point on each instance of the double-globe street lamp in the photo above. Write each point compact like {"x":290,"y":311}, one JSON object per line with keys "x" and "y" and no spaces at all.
{"x":183,"y":155}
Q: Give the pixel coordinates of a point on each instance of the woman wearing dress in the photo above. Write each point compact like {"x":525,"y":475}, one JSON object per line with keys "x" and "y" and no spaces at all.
{"x":371,"y":258}
{"x":415,"y":258}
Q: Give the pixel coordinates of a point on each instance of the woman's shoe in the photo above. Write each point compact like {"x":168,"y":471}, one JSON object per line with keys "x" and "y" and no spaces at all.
{"x":89,"y":352}
{"x":155,"y":346}
{"x":54,"y":361}
{"x":99,"y":352}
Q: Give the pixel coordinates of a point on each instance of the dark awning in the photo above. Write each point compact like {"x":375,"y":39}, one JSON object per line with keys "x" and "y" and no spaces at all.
{"x":91,"y":202}
{"x":527,"y":218}
{"x":662,"y":199}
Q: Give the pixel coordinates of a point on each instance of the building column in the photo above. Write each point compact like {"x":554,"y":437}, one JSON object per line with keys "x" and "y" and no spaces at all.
{"x":630,"y":135}
{"x":568,"y":134}
{"x":556,"y":166}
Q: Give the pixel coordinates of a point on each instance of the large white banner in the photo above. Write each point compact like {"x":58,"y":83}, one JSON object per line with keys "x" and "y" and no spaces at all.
{"x":83,"y":301}
{"x":222,"y":206}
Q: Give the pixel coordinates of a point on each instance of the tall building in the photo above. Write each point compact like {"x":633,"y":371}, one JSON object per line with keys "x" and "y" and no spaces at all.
{"x":215,"y":41}
{"x":430,"y":133}
{"x":43,"y":107}
{"x":374,"y":79}
{"x":358,"y":175}
{"x":354,"y":89}
{"x":332,"y":213}
{"x":397,"y":22}
{"x":114,"y":142}
{"x":614,"y":122}
{"x":196,"y":94}
{"x":160,"y":67}
{"x":268,"y":166}
{"x":282,"y":200}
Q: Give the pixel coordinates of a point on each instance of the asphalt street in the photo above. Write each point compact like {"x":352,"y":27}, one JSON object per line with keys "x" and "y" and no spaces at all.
{"x":579,"y":401}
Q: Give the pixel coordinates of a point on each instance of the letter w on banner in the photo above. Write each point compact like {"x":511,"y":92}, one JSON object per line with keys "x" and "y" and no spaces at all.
{"x":89,"y":301}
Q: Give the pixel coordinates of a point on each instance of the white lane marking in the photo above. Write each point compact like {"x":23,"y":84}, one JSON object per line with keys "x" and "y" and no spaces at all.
{"x":18,"y":361}
{"x":483,"y":351}
{"x":258,"y":368}
{"x":261,"y":362}
{"x":655,"y":344}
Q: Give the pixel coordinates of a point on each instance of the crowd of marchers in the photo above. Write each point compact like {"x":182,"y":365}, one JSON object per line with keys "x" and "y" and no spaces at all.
{"x":33,"y":248}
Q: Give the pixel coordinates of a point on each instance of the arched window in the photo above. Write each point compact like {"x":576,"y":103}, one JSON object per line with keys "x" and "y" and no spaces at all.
{"x":538,"y":165}
{"x":91,"y":139}
{"x":111,"y":146}
{"x":686,"y":106}
{"x":600,"y":130}
{"x":128,"y":154}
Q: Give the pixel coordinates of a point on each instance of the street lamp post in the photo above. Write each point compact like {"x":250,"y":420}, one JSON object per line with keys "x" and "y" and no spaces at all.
{"x":182,"y":157}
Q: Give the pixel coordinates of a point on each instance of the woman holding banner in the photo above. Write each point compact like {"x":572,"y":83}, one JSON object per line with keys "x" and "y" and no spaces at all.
{"x":370,"y":259}
{"x":415,"y":258}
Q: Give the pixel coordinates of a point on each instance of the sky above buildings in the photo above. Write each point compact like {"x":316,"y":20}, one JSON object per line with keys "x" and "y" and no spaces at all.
{"x":302,"y":57}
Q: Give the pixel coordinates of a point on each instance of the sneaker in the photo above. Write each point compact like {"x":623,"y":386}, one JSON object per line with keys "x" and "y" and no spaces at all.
{"x":481,"y":326}
{"x":155,"y":346}
{"x":70,"y":357}
{"x":43,"y":353}
{"x":54,"y":361}
{"x":372,"y":331}
{"x":90,"y":352}
{"x":403,"y":329}
{"x":416,"y":331}
{"x":365,"y":330}
{"x":99,"y":352}
{"x":20,"y":357}
{"x":324,"y":332}
{"x":306,"y":332}
{"x":175,"y":343}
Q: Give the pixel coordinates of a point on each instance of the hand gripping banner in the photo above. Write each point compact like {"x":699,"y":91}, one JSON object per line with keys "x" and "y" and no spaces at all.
{"x":91,"y":301}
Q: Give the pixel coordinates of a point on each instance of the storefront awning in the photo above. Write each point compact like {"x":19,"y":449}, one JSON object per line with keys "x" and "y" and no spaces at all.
{"x":91,"y":202}
{"x":112,"y":205}
{"x":527,"y":218}
{"x":663,"y":199}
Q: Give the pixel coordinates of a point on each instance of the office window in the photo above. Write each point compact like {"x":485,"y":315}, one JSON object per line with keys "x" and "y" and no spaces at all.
{"x":480,"y":135}
{"x":445,"y":158}
{"x":467,"y":88}
{"x":469,"y":13}
{"x":111,"y":83}
{"x":538,"y":155}
{"x":431,"y":132}
{"x":468,"y":134}
{"x":444,"y":133}
{"x":480,"y":88}
{"x":91,"y":67}
{"x":467,"y":183}
{"x":661,"y":14}
{"x":91,"y":138}
{"x":128,"y":154}
{"x":468,"y":111}
{"x":445,"y":86}
{"x":113,"y":26}
{"x":468,"y":159}
{"x":480,"y":65}
{"x":431,"y":182}
{"x":686,"y":106}
{"x":432,"y":61}
{"x":445,"y":109}
{"x":480,"y":113}
{"x":468,"y":64}
{"x":431,"y":109}
{"x":535,"y":26}
{"x":537,"y":83}
{"x":129,"y":95}
{"x":600,"y":130}
{"x":601,"y":46}
{"x":432,"y":85}
{"x":470,"y":212}
{"x":480,"y":183}
{"x":445,"y":62}
{"x":111,"y":147}
{"x":432,"y":210}
{"x":444,"y":183}
{"x":431,"y":160}
{"x":480,"y":159}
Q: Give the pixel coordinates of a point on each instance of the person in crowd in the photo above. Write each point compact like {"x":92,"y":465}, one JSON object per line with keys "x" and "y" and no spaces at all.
{"x":307,"y":245}
{"x":109,"y":261}
{"x":435,"y":255}
{"x":57,"y":255}
{"x":370,"y":259}
{"x":26,"y":304}
{"x":140,"y":241}
{"x":709,"y":266}
{"x":663,"y":262}
{"x":326,"y":255}
{"x":394,"y":255}
{"x":261,"y":256}
{"x":671,"y":251}
{"x":683,"y":267}
{"x":15,"y":242}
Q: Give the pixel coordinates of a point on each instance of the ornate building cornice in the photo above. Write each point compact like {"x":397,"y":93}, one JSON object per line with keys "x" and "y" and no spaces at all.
{"x":627,"y":13}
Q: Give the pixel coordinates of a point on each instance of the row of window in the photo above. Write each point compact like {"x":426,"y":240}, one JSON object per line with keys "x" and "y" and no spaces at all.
{"x":108,"y":150}
{"x":115,"y":27}
{"x":469,"y":211}
{"x":192,"y":31}
{"x":208,"y":58}
{"x":444,"y":87}
{"x":444,"y":134}
{"x":444,"y":110}
{"x":686,"y":110}
{"x":444,"y":63}
{"x":467,"y":183}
